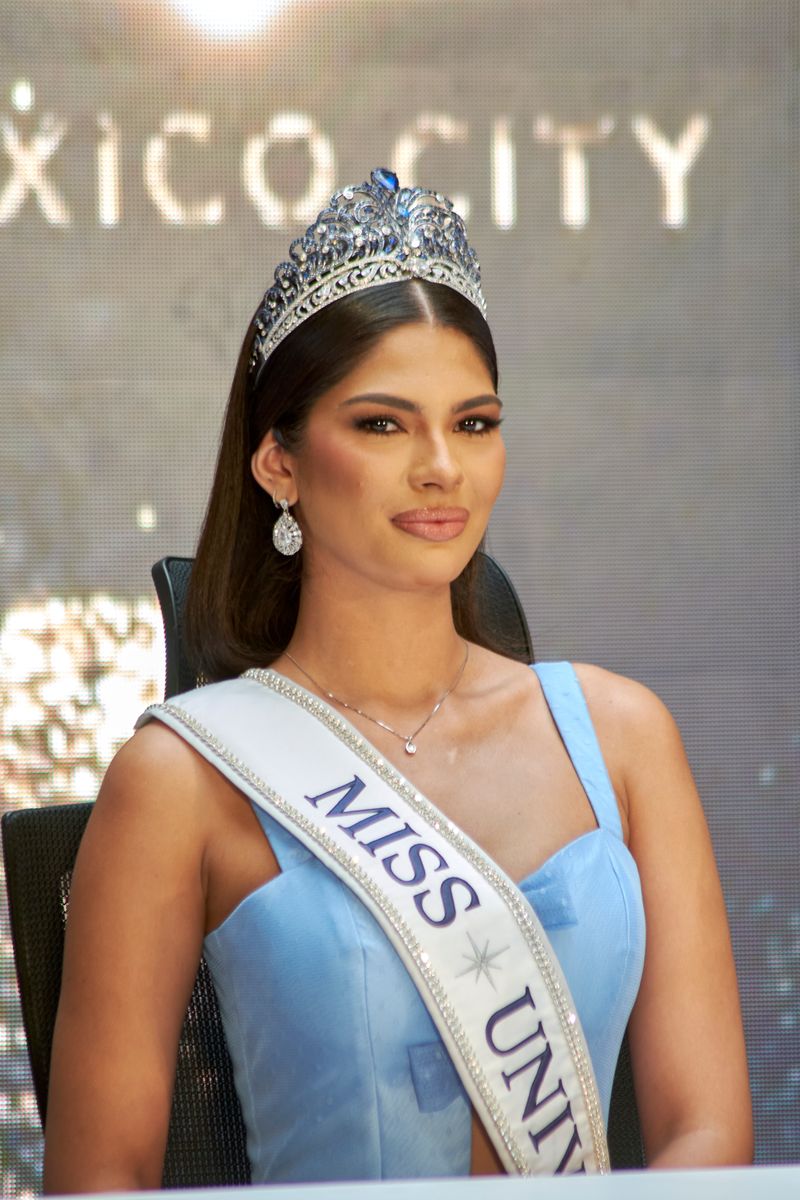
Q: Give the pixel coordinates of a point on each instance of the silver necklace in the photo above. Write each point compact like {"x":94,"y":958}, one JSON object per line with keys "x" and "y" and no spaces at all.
{"x":410,"y":744}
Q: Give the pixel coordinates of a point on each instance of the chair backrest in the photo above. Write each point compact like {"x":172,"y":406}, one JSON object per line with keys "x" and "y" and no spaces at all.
{"x":206,"y":1144}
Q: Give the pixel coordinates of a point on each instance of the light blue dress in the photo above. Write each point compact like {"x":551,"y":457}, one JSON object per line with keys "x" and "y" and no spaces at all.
{"x":340,"y":1071}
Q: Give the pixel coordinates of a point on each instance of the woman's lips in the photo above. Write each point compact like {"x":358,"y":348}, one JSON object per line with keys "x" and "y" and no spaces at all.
{"x":433,"y":524}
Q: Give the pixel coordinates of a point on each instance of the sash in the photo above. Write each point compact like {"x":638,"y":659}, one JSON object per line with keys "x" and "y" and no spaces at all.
{"x":468,"y":938}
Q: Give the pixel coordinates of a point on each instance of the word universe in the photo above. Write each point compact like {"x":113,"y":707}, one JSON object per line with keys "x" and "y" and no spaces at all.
{"x":31,"y":148}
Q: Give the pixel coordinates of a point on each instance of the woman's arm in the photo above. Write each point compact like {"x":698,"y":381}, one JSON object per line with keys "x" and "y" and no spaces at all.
{"x":133,"y":943}
{"x":687,"y":1044}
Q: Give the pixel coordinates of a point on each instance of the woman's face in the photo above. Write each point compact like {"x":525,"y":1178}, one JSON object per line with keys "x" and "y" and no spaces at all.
{"x":401,"y":462}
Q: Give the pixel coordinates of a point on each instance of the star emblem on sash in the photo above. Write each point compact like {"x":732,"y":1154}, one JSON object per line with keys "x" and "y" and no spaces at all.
{"x":481,"y":961}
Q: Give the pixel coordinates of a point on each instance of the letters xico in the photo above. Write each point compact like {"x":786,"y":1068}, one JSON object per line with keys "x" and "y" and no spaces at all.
{"x":30,"y":150}
{"x":420,"y":858}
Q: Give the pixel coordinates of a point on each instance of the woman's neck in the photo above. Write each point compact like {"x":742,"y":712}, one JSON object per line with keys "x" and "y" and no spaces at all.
{"x":381,"y":647}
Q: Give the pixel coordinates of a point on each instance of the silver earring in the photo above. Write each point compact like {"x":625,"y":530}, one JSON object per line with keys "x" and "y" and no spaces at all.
{"x":287,"y":536}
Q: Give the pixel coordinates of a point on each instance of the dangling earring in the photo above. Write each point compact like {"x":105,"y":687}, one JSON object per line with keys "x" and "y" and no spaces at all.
{"x":287,"y":536}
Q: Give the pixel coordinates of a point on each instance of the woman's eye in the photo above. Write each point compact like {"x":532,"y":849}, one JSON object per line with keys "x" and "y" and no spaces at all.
{"x":479,"y":424}
{"x":377,"y":424}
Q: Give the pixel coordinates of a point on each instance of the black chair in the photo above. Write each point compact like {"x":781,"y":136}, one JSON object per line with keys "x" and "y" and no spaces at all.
{"x":206,"y":1141}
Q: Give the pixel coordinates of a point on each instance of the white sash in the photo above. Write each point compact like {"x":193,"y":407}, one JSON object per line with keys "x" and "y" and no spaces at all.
{"x":467,"y":936}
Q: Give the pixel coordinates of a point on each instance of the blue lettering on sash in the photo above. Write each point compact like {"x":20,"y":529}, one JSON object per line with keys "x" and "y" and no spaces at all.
{"x":511,"y":1021}
{"x":419,"y":870}
{"x":414,"y":854}
{"x":388,"y":838}
{"x":351,"y":790}
{"x":449,"y":910}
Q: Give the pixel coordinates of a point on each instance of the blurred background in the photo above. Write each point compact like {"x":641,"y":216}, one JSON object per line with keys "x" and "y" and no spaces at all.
{"x":629,"y":170}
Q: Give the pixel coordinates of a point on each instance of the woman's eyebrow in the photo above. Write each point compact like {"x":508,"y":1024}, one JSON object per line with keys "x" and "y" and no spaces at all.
{"x":478,"y":402}
{"x":409,"y":405}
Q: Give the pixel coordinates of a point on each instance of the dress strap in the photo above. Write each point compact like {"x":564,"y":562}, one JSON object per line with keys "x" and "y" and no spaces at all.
{"x":568,"y":708}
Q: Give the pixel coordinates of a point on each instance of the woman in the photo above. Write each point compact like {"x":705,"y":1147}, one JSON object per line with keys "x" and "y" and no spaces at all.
{"x":368,"y":930}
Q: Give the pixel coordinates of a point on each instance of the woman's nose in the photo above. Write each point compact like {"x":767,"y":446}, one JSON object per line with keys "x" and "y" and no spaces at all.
{"x":437,"y":464}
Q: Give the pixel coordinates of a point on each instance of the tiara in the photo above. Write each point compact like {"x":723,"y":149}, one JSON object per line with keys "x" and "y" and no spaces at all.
{"x":370,"y":234}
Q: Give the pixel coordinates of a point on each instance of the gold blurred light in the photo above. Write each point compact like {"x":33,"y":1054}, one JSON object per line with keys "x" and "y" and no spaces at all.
{"x":230,"y":18}
{"x":146,"y":517}
{"x":22,"y":95}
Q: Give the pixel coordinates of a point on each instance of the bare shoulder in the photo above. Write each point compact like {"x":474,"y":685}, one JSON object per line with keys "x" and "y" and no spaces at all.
{"x":637,"y":733}
{"x":619,"y":701}
{"x":618,"y":705}
{"x":156,"y":780}
{"x":155,"y":756}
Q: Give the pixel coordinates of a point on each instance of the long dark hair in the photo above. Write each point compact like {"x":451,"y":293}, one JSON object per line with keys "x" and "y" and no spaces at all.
{"x":243,"y":596}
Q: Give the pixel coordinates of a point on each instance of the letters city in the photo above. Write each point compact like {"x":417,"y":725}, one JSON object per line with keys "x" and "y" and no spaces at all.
{"x":30,"y":145}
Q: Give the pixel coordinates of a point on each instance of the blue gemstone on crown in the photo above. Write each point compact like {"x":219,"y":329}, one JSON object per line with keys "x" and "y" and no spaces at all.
{"x":386,"y":178}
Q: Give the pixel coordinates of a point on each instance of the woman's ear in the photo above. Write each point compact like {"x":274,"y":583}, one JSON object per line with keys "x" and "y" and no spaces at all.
{"x":273,"y":469}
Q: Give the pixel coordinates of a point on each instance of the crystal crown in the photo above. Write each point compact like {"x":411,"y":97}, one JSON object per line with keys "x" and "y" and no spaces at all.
{"x":370,"y":234}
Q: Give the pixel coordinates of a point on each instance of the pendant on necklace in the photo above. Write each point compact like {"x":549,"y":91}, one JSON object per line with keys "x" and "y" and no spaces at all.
{"x":410,"y":747}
